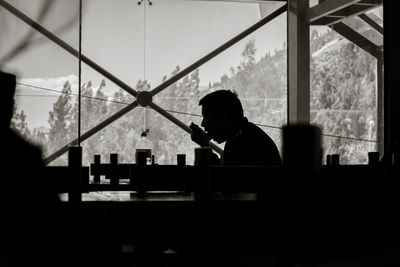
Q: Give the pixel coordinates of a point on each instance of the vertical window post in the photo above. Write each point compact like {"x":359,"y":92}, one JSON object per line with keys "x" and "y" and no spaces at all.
{"x":298,"y":62}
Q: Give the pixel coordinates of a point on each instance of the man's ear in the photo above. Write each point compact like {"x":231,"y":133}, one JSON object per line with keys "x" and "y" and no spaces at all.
{"x":227,"y":121}
{"x":223,"y":117}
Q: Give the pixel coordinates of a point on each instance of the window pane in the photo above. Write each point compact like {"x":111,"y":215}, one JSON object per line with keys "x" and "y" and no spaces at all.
{"x":255,"y":68}
{"x":181,"y":99}
{"x":141,"y":47}
{"x":344,"y":82}
{"x":46,"y":73}
{"x":178,"y":33}
{"x":365,"y":29}
{"x":376,"y":15}
{"x":113,"y":38}
{"x":120,"y":137}
{"x":60,"y":17}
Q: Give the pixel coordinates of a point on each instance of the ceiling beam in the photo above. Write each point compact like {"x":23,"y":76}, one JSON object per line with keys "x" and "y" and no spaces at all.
{"x":357,"y":39}
{"x":240,"y":1}
{"x":329,"y":12}
{"x":327,"y":8}
{"x":352,"y":10}
{"x":371,"y":2}
{"x":371,"y":23}
{"x":342,"y":14}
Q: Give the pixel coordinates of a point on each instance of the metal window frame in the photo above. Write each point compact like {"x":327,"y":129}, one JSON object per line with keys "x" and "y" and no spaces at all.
{"x":140,"y":96}
{"x":300,"y":18}
{"x":332,"y":12}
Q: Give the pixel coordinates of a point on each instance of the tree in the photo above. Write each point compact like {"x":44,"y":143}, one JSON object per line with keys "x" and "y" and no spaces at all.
{"x":19,"y":124}
{"x":60,"y":118}
{"x":248,"y":54}
{"x":86,"y":115}
{"x":343,"y":98}
{"x":314,"y":34}
{"x":343,"y":103}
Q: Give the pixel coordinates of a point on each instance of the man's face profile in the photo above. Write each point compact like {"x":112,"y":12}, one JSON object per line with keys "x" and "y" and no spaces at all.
{"x":214,"y":124}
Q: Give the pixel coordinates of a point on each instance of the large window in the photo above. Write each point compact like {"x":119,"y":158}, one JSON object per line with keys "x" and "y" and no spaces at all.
{"x":346,"y":85}
{"x":134,"y":46}
{"x":47,"y":74}
{"x":129,"y":47}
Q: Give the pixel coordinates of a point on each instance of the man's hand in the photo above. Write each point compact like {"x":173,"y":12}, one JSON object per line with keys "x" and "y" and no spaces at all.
{"x":198,"y":135}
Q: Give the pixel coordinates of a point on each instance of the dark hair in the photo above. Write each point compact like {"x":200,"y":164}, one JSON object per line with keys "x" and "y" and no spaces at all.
{"x":7,"y":88}
{"x":7,"y":83}
{"x":224,"y":102}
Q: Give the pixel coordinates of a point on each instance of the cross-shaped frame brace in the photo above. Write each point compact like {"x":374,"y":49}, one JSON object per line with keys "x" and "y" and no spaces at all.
{"x":143,"y":98}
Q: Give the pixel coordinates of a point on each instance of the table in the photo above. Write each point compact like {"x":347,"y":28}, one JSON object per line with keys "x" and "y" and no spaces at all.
{"x":344,"y":209}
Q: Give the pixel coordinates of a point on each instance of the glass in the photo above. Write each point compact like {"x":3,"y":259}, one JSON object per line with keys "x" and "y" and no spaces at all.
{"x":178,"y":33}
{"x":113,"y":38}
{"x":313,"y":3}
{"x":120,"y":137}
{"x":365,"y":29}
{"x":59,"y":17}
{"x":46,"y":73}
{"x":344,"y":96}
{"x":141,"y":45}
{"x":376,"y":15}
{"x":255,"y":68}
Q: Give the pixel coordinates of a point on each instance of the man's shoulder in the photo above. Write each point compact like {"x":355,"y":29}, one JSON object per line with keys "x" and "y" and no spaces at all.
{"x":255,"y":131}
{"x":15,"y":144}
{"x":252,"y":126}
{"x":253,"y":146}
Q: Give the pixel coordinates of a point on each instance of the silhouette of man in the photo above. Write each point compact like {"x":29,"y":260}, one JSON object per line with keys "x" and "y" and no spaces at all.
{"x":224,"y":121}
{"x":37,"y":229}
{"x":27,"y":201}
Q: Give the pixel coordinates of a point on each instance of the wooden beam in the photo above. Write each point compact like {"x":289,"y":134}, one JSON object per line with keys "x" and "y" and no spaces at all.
{"x":298,"y":62}
{"x":371,"y":23}
{"x":242,"y":1}
{"x":357,"y":39}
{"x":342,"y":14}
{"x":324,"y":14}
{"x":371,"y":2}
{"x":326,"y":8}
{"x":352,"y":10}
{"x":326,"y":21}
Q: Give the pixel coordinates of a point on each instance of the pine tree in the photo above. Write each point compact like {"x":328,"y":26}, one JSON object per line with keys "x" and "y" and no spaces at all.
{"x":248,"y":54}
{"x":59,"y":119}
{"x":19,"y":124}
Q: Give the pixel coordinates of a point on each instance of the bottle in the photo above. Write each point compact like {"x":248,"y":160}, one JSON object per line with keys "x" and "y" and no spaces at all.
{"x":328,"y":160}
{"x":144,"y":145}
{"x":335,"y":159}
{"x":373,"y":158}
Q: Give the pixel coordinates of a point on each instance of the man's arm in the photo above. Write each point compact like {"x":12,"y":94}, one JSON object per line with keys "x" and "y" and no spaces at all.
{"x":202,"y":139}
{"x":199,"y":136}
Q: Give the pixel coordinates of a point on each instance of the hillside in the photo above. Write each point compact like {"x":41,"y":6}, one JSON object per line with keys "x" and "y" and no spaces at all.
{"x":342,"y":103}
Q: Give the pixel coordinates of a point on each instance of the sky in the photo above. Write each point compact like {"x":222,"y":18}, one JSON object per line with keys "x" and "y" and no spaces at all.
{"x":132,"y":42}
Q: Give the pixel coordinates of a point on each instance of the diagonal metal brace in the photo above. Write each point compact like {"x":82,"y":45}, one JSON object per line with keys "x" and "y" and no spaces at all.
{"x":66,"y":46}
{"x":91,"y":132}
{"x":143,"y":98}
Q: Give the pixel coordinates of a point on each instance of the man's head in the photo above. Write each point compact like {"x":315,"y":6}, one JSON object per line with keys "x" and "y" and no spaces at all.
{"x":222,"y":114}
{"x":7,"y":87}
